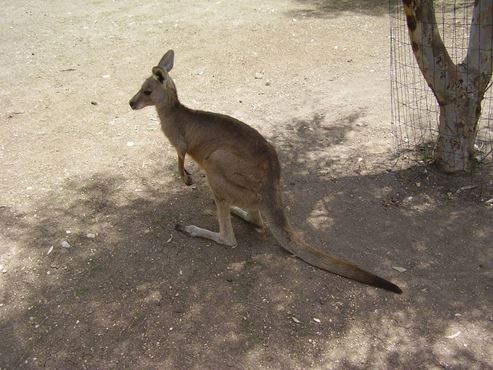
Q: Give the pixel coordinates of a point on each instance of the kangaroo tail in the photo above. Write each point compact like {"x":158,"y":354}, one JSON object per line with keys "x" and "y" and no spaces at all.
{"x":282,"y":231}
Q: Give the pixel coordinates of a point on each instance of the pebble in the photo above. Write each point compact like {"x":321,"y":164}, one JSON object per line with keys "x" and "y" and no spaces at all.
{"x":66,"y":244}
{"x":453,"y":335}
{"x":91,"y":235}
{"x":153,"y":297}
{"x":295,"y":320}
{"x":400,"y":269}
{"x":259,"y":75}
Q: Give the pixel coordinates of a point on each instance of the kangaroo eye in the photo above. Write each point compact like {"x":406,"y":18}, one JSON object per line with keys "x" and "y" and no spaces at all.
{"x":147,"y":92}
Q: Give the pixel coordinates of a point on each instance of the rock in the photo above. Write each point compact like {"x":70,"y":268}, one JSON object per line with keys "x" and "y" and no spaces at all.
{"x":153,"y":297}
{"x":453,"y":335}
{"x":259,"y":75}
{"x":400,"y":269}
{"x":295,"y":320}
{"x":66,"y":244}
{"x":467,"y":187}
{"x":91,"y":235}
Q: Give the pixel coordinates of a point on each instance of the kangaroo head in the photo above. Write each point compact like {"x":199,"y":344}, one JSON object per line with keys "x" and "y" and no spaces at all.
{"x":157,"y":88}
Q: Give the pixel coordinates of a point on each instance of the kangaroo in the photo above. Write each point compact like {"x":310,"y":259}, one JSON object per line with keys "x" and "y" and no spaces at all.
{"x":242,"y":170}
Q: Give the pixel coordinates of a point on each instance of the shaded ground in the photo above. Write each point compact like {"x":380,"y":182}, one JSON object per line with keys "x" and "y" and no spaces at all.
{"x":78,"y":166}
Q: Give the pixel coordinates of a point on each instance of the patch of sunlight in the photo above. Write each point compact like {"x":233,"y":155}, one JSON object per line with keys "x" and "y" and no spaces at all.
{"x":319,"y":217}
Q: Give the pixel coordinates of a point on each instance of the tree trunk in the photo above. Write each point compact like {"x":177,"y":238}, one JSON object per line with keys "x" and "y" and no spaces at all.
{"x":459,"y":89}
{"x":456,"y":136}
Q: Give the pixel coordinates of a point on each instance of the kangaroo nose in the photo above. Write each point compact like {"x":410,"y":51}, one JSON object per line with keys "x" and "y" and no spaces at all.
{"x":132,"y":104}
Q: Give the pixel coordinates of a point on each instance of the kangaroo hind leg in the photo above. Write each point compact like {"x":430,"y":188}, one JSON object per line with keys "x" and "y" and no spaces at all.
{"x":225,"y":235}
{"x":252,"y":217}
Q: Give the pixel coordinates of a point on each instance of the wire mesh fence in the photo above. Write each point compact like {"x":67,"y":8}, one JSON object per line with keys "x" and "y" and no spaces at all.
{"x":415,"y":111}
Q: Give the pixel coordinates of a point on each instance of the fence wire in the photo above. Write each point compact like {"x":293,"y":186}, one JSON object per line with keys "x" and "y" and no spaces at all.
{"x":415,"y":111}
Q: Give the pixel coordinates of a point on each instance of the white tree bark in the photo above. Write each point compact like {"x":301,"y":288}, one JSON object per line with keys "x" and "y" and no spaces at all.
{"x":459,"y":89}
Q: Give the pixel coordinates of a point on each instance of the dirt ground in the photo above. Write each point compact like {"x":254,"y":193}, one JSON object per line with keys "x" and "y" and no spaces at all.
{"x":79,"y":167}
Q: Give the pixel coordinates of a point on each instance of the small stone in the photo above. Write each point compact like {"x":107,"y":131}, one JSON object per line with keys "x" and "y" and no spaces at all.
{"x":66,"y":244}
{"x":91,"y":235}
{"x":153,"y":297}
{"x":316,"y":320}
{"x":467,"y":187}
{"x":259,"y":75}
{"x":130,"y":143}
{"x":94,"y":102}
{"x":453,"y":335}
{"x":50,"y":250}
{"x":295,"y":320}
{"x":400,"y":269}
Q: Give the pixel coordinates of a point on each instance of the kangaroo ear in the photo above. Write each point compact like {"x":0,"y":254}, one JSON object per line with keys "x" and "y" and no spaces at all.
{"x":159,"y":73}
{"x":167,"y":60}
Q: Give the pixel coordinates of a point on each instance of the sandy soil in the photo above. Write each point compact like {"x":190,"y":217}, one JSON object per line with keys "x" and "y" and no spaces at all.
{"x":78,"y":166}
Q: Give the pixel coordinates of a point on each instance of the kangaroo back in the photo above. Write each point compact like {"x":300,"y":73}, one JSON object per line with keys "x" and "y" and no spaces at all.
{"x":289,"y":240}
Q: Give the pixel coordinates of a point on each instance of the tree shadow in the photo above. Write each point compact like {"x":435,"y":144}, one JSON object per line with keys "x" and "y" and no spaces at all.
{"x":476,"y":185}
{"x":133,"y":293}
{"x":333,"y":8}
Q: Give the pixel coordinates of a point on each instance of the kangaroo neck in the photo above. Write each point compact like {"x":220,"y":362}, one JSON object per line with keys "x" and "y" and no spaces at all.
{"x":169,"y":110}
{"x":169,"y":101}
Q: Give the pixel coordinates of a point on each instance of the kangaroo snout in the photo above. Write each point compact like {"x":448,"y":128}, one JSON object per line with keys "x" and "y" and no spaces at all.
{"x":133,"y":104}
